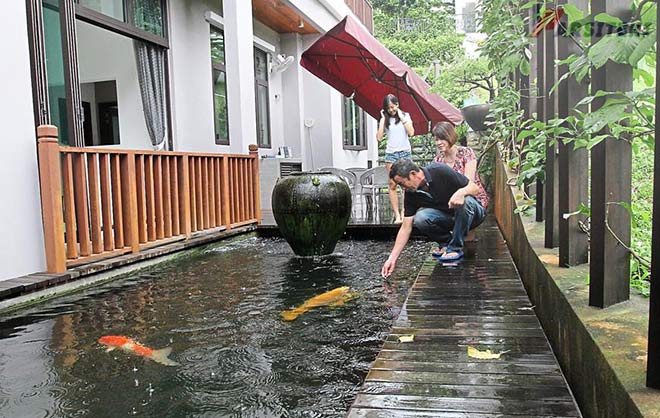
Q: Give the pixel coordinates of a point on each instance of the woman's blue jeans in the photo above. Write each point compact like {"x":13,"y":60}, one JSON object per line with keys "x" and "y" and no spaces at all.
{"x":447,"y":228}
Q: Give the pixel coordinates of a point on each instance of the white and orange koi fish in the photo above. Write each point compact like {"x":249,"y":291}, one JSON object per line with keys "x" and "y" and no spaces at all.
{"x":334,"y":297}
{"x":131,"y":346}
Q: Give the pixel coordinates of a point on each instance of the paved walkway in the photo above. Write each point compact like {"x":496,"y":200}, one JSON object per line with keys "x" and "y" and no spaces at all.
{"x":479,"y":303}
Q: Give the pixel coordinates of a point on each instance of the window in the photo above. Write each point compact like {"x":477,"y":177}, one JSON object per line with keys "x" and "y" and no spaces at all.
{"x":221,"y":120}
{"x":146,"y":15}
{"x":261,"y":97}
{"x":355,"y":126}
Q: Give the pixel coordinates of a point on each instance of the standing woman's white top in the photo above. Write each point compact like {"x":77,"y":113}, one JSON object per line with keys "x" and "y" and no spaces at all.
{"x":397,"y":136}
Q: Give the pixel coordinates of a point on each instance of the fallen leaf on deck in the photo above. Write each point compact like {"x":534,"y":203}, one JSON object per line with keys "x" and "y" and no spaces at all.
{"x":527,"y":308}
{"x":406,"y":338}
{"x":483,"y":355}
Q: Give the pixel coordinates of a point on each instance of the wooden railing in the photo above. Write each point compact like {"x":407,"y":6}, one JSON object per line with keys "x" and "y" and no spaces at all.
{"x":364,"y":11}
{"x":99,"y":203}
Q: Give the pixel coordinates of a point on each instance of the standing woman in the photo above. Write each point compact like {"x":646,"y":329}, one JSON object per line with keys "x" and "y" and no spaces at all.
{"x":399,"y":129}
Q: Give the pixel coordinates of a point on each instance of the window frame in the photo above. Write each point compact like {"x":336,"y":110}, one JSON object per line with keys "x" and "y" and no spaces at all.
{"x":259,"y":82}
{"x":223,"y":68}
{"x":347,"y":143}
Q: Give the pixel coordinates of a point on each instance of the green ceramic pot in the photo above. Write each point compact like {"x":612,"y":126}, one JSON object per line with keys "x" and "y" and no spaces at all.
{"x":312,"y":210}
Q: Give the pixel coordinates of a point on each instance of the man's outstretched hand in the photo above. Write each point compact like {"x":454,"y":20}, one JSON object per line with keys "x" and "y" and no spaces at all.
{"x":388,"y":268}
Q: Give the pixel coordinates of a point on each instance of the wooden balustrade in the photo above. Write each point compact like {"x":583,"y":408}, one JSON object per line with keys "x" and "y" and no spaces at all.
{"x":99,"y":203}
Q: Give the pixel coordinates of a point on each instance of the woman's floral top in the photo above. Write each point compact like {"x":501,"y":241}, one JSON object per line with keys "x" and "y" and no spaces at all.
{"x":463,"y":156}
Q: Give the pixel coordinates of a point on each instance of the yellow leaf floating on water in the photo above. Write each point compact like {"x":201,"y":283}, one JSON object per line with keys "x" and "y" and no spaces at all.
{"x":406,"y":338}
{"x":483,"y":355}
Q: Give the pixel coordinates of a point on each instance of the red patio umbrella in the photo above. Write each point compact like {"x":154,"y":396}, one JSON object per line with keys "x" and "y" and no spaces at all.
{"x":351,"y":60}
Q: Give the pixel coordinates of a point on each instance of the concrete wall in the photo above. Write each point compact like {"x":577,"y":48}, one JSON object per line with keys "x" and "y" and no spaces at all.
{"x":114,"y":61}
{"x":21,"y":235}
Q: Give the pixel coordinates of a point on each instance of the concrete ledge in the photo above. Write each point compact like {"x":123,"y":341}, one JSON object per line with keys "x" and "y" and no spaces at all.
{"x":601,"y":351}
{"x":20,"y":291}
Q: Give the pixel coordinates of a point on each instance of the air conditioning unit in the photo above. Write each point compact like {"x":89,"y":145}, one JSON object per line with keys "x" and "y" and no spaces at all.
{"x":270,"y":169}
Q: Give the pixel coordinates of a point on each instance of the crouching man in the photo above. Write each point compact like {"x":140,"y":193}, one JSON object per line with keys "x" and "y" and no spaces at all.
{"x":438,"y":201}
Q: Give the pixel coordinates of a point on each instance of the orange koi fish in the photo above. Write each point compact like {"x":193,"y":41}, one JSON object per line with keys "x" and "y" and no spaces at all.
{"x":131,"y":346}
{"x":334,"y":297}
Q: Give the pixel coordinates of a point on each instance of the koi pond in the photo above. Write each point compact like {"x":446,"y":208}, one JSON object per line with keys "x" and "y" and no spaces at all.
{"x":219,"y":309}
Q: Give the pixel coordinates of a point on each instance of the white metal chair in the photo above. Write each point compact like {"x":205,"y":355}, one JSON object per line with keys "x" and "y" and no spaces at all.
{"x":345,"y":175}
{"x":372,"y":181}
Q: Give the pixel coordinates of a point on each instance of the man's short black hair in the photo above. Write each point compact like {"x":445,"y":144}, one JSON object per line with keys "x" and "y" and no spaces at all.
{"x":402,"y":168}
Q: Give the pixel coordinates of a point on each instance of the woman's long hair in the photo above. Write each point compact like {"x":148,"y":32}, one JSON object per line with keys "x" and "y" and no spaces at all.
{"x":388,"y":100}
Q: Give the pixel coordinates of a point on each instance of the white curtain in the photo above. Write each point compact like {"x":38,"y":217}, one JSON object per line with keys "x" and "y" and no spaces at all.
{"x":151,"y":75}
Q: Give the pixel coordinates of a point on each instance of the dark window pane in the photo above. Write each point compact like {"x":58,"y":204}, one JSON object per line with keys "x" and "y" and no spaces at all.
{"x":149,"y":16}
{"x":354,"y":130}
{"x":112,"y":8}
{"x":217,"y":46}
{"x":260,"y":65}
{"x":263,"y":129}
{"x":55,"y":69}
{"x":220,"y":106}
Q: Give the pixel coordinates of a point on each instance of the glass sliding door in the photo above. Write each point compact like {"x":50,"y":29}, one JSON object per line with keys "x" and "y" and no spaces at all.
{"x":261,"y":95}
{"x":55,"y":68}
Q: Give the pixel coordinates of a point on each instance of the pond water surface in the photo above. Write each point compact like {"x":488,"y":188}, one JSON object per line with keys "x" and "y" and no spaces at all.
{"x":219,"y":311}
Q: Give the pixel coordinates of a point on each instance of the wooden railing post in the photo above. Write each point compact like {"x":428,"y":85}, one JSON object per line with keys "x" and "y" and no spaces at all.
{"x":551,"y":172}
{"x":184,"y":196}
{"x":540,"y":111}
{"x":611,"y":171}
{"x":254,"y":152}
{"x":224,"y":179}
{"x":50,"y":173}
{"x":130,"y":201}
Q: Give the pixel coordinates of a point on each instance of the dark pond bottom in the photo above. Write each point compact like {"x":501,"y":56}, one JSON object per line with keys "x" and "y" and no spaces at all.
{"x":219,"y":311}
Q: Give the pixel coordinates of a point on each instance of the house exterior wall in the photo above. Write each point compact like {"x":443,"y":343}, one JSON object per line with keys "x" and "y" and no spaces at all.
{"x":21,"y":235}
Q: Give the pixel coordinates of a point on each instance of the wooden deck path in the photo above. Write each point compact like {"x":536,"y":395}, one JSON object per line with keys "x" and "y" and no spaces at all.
{"x":479,"y":302}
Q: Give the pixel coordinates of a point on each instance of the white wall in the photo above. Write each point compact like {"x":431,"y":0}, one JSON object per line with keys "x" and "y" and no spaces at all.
{"x":115,"y":60}
{"x":21,"y":234}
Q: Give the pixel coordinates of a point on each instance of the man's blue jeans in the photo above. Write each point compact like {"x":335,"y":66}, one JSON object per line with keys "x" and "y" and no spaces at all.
{"x":447,"y":228}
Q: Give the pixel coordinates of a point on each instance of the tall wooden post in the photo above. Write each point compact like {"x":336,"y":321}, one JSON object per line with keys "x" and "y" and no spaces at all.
{"x":573,"y":164}
{"x":50,"y":173}
{"x":611,"y":167}
{"x":184,"y":195}
{"x":540,"y":111}
{"x":653,"y":364}
{"x":254,"y":152}
{"x":224,"y":178}
{"x":550,"y":112}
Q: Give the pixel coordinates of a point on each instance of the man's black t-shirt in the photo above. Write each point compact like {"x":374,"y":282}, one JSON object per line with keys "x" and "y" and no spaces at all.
{"x":442,"y":183}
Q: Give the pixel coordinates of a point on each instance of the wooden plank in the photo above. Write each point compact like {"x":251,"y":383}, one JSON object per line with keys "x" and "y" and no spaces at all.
{"x":94,"y":203}
{"x":550,"y":196}
{"x":69,"y":208}
{"x":117,"y":215}
{"x":82,"y":212}
{"x":158,"y":196}
{"x":167,"y":198}
{"x":540,"y":110}
{"x":184,"y":196}
{"x":142,"y":197}
{"x":174,"y":193}
{"x":151,"y":199}
{"x":611,"y":168}
{"x":193,"y":193}
{"x":212,"y":197}
{"x":130,"y":202}
{"x":200,"y":194}
{"x":226,"y":208}
{"x":206,"y":212}
{"x":218,"y":191}
{"x":106,"y":202}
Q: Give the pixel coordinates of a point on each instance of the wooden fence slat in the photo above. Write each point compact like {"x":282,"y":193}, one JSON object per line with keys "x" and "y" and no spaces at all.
{"x":167,"y":198}
{"x":69,"y":208}
{"x":158,"y":185}
{"x":200,"y":194}
{"x":551,"y":203}
{"x":174,"y":193}
{"x":106,"y":202}
{"x":142,"y":197}
{"x":115,"y":175}
{"x":50,"y":169}
{"x":218,"y":191}
{"x":193,"y":193}
{"x":212,"y":199}
{"x":151,"y":199}
{"x":226,"y":208}
{"x":540,"y":111}
{"x":82,"y":212}
{"x":205,"y":187}
{"x":130,"y":202}
{"x":256,"y":198}
{"x":94,"y":204}
{"x":184,"y":195}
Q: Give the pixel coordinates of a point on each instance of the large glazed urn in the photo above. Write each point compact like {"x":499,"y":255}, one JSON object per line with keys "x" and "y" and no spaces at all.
{"x":312,"y":210}
{"x":475,"y":116}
